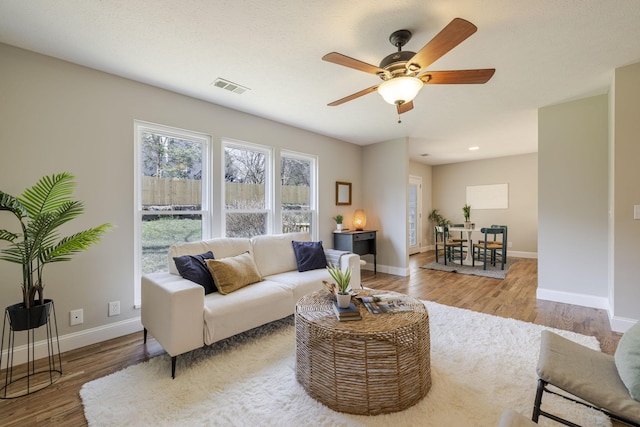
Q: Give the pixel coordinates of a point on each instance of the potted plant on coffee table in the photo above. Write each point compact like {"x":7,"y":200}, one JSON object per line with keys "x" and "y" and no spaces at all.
{"x":41,"y":210}
{"x":342,"y":279}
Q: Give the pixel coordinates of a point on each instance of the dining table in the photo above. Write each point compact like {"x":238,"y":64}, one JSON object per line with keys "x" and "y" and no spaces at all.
{"x":468,"y":260}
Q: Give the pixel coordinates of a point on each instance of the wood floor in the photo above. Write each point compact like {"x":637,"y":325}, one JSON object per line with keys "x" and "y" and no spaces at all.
{"x":513,"y":297}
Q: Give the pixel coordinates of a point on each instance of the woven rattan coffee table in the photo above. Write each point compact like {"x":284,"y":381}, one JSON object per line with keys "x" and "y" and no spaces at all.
{"x":372,"y":366}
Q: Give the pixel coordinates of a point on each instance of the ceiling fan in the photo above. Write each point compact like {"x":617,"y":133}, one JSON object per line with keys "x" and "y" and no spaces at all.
{"x":401,"y":70}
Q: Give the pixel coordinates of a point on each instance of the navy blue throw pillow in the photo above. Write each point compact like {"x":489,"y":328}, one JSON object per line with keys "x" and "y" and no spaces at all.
{"x":309,"y":255}
{"x":194,"y":268}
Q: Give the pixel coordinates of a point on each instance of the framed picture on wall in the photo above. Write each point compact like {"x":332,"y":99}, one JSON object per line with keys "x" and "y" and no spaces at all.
{"x":343,"y":193}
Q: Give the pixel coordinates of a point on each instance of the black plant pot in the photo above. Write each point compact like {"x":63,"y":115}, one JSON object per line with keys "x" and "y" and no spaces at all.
{"x":23,"y":319}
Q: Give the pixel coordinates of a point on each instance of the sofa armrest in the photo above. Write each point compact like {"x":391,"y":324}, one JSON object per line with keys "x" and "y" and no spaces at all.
{"x":173,"y":312}
{"x":345,"y":260}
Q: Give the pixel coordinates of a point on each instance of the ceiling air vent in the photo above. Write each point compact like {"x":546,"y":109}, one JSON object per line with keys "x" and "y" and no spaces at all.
{"x":230,"y":86}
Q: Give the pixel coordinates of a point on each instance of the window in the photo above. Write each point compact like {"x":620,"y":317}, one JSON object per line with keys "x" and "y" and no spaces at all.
{"x":172,"y":187}
{"x":297,"y":207}
{"x":247,"y":190}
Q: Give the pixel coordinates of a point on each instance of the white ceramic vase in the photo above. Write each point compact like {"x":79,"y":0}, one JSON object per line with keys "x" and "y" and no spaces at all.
{"x":339,"y":227}
{"x":343,"y":300}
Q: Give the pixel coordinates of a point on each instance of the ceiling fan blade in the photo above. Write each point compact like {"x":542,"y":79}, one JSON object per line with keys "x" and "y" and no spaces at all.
{"x":451,"y":36}
{"x":345,"y":61}
{"x":353,"y":96}
{"x":457,"y":76}
{"x":405,"y":106}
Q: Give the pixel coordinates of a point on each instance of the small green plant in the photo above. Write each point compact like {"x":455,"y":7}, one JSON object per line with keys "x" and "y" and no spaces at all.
{"x":438,"y":219}
{"x":338,"y":219}
{"x":342,"y":278}
{"x":466,"y":210}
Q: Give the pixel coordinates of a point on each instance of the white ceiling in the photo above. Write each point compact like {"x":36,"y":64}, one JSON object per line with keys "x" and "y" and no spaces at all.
{"x":544,"y":52}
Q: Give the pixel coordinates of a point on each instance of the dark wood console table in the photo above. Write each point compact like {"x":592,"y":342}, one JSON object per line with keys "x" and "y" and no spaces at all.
{"x":358,"y":242}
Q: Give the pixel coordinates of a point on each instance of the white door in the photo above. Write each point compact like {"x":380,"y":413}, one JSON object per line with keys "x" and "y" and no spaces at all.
{"x":415,"y":214}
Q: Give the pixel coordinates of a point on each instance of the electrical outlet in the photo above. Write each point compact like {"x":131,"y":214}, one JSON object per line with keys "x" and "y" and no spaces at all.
{"x":75,"y":317}
{"x":509,"y":244}
{"x":114,"y":308}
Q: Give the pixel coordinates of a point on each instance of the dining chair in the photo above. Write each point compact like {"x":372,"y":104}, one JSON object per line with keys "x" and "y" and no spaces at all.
{"x":445,"y":245}
{"x":498,"y":242}
{"x":496,"y":250}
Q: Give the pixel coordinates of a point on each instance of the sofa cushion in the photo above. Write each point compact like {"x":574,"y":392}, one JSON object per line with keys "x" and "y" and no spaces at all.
{"x":194,"y":268}
{"x":232,"y":273}
{"x":300,"y":284}
{"x":244,"y":309}
{"x":627,"y":359}
{"x":222,"y":247}
{"x":273,"y":253}
{"x":309,"y":255}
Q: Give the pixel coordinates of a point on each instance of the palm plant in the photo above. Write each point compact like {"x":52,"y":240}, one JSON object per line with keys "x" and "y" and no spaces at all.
{"x":437,"y":218}
{"x":41,"y":210}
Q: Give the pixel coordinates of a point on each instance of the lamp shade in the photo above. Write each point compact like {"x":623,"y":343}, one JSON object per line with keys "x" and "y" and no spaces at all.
{"x":399,"y":90}
{"x":359,"y":220}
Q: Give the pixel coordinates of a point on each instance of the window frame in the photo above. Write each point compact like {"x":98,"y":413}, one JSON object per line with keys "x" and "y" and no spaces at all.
{"x":313,"y":189}
{"x":269,"y":175}
{"x":141,"y":127}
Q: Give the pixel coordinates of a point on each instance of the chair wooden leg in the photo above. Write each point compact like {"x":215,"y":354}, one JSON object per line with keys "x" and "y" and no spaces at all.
{"x":484,"y":266}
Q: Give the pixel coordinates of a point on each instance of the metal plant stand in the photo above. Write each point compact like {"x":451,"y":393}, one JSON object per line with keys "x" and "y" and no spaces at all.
{"x":22,"y":383}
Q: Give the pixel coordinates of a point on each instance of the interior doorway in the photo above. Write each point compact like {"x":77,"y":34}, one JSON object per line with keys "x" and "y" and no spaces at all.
{"x":415,"y":214}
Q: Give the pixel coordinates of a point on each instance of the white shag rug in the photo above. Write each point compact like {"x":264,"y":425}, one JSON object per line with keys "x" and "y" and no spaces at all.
{"x":480,"y":365}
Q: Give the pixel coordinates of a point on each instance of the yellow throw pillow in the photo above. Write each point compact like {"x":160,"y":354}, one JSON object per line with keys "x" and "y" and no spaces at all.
{"x":232,"y":273}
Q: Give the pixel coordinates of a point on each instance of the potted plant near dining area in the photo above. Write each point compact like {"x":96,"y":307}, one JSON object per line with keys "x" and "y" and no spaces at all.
{"x":41,"y":210}
{"x":466,"y":210}
{"x":438,"y":219}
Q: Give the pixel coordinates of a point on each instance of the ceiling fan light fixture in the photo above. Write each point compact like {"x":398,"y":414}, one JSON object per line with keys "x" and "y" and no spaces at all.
{"x":399,"y":90}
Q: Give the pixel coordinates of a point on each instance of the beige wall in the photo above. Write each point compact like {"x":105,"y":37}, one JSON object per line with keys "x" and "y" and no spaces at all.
{"x":56,"y":116}
{"x":385,"y":177}
{"x":572,"y":153}
{"x":624,"y":286}
{"x":519,"y":172}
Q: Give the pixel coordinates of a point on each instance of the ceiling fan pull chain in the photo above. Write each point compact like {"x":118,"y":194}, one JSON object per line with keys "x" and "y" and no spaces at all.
{"x":399,"y":121}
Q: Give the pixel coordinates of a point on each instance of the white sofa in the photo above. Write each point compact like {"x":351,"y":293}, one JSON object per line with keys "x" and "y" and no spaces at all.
{"x":182,"y":318}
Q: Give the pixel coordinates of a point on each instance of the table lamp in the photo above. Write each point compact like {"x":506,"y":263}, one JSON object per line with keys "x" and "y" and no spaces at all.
{"x":359,"y":220}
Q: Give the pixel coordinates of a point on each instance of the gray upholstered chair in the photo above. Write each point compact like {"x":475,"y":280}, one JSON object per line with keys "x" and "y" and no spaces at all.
{"x":610,"y":384}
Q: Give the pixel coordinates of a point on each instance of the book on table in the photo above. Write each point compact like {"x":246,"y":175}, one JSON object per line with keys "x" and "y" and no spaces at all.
{"x":385,"y":303}
{"x":349,"y":313}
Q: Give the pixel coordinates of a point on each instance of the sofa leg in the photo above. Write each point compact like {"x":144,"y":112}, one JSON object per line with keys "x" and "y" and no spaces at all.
{"x":173,"y":367}
{"x":145,"y":335}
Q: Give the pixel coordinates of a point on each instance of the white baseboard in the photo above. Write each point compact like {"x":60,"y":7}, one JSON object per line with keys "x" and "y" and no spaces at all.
{"x":618,"y":324}
{"x":77,"y":339}
{"x":621,"y":324}
{"x":518,"y":254}
{"x":398,"y":271}
{"x":573,"y":298}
